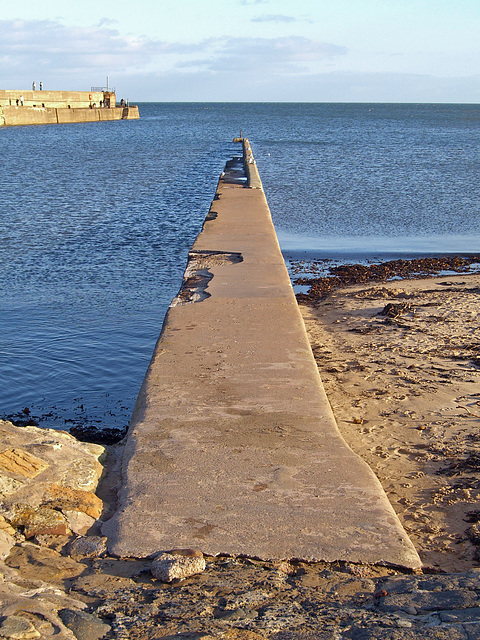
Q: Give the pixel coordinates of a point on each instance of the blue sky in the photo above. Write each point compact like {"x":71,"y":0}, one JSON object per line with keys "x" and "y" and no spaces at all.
{"x":253,"y":50}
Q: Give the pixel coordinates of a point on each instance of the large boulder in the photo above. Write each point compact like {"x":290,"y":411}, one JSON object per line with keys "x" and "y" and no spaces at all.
{"x":47,"y":481}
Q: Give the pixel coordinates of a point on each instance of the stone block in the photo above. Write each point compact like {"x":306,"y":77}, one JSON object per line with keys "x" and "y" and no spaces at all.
{"x":41,"y":521}
{"x":64,"y":498}
{"x":88,"y":547}
{"x":167,"y":567}
{"x":79,"y":522}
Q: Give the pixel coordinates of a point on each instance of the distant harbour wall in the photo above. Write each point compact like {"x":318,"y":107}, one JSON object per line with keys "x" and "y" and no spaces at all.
{"x":11,"y":116}
{"x":58,"y":107}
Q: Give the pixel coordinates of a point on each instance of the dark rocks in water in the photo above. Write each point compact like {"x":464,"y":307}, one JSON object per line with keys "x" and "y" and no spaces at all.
{"x":105,"y":436}
{"x":83,"y":432}
{"x":22,"y":419}
{"x":350,"y":274}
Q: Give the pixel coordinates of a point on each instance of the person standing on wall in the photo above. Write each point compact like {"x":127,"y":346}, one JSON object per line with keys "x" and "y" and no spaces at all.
{"x":33,"y":86}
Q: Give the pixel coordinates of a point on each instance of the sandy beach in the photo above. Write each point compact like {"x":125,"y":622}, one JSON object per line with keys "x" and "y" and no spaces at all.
{"x":400,"y":365}
{"x":405,"y":391}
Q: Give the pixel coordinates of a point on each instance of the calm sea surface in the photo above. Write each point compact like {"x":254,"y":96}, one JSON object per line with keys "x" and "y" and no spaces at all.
{"x":96,"y":221}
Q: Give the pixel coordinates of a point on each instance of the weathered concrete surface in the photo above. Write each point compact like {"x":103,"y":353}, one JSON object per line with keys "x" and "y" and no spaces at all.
{"x":233,"y":447}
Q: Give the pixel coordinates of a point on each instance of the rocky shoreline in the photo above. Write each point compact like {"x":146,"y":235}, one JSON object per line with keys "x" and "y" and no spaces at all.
{"x":64,"y":584}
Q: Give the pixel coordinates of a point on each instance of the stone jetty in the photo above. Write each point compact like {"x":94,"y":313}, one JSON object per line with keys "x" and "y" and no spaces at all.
{"x":233,"y":447}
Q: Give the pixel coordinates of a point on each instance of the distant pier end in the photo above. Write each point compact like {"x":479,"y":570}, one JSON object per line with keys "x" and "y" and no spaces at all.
{"x":19,"y":107}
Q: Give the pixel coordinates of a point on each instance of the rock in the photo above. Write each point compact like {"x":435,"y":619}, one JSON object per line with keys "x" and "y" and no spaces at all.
{"x":233,"y":615}
{"x":286,"y":568}
{"x":6,"y":527}
{"x":79,"y":522}
{"x":473,"y":534}
{"x":84,"y":626}
{"x":18,"y":628}
{"x":461,"y":615}
{"x":64,"y":498}
{"x":37,"y":457}
{"x":18,"y":514}
{"x":88,"y":547}
{"x":425,"y":601}
{"x":40,"y":562}
{"x":104,"y":436}
{"x":168,"y":567}
{"x":57,"y":543}
{"x":6,"y":543}
{"x":44,"y":472}
{"x":21,"y":463}
{"x":41,"y":521}
{"x":404,"y":624}
{"x":393,"y":310}
{"x":8,"y":485}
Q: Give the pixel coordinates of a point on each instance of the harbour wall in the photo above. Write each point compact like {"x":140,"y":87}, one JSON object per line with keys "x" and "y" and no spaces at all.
{"x":233,"y":447}
{"x":57,"y":107}
{"x":11,"y":116}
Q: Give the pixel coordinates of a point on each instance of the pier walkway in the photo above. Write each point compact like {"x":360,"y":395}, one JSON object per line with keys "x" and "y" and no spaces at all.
{"x":233,"y":447}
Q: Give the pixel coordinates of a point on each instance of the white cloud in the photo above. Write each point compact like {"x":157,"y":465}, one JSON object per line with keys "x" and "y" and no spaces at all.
{"x":106,"y":22}
{"x":274,"y":18}
{"x":55,"y":48}
{"x":30,"y":49}
{"x":281,"y":56}
{"x":278,"y":18}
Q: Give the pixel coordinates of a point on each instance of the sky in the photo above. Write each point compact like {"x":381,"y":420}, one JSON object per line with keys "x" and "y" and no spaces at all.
{"x":247,"y":50}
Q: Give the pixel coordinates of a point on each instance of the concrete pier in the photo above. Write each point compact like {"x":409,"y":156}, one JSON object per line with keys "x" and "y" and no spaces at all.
{"x":233,"y":447}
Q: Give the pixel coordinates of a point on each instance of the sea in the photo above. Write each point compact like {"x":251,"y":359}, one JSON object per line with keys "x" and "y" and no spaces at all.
{"x":96,"y":221}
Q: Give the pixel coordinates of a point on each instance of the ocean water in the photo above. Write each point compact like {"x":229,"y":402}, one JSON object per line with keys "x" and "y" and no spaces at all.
{"x":96,"y":221}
